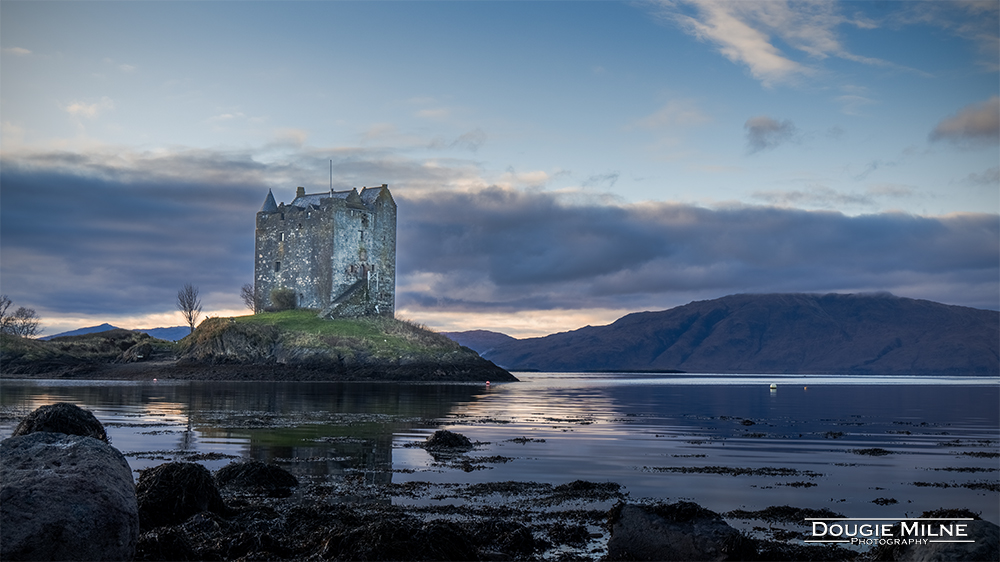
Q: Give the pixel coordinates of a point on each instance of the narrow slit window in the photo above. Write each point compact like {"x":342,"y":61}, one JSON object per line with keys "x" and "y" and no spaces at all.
{"x":277,"y":266}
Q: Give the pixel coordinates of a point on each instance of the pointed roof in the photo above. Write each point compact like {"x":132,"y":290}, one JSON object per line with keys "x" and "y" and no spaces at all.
{"x":269,"y":205}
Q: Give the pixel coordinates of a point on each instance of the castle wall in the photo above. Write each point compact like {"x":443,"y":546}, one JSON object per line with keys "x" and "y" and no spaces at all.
{"x":322,"y":245}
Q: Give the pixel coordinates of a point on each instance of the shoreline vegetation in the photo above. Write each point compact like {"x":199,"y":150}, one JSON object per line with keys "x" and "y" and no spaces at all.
{"x":292,"y":345}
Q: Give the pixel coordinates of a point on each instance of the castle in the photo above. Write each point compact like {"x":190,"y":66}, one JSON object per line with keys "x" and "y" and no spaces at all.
{"x":334,"y":251}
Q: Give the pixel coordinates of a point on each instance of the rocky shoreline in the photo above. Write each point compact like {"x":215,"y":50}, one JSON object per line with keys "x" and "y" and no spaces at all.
{"x":249,"y":510}
{"x":180,"y":370}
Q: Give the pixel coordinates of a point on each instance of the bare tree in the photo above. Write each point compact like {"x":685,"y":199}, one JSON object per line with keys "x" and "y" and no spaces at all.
{"x":189,"y":304}
{"x":23,"y":322}
{"x":5,"y":319}
{"x":250,"y":297}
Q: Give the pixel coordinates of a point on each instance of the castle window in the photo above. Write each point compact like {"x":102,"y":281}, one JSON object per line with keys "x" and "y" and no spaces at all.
{"x":282,"y":216}
{"x":277,"y":266}
{"x":282,"y":236}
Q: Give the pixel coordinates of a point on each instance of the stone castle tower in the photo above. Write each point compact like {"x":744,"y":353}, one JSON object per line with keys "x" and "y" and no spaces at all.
{"x":336,"y":251}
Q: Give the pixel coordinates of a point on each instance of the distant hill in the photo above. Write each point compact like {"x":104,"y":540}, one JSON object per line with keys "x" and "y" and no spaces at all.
{"x":169,"y":334}
{"x":480,"y":341}
{"x":81,"y":331}
{"x":777,"y":333}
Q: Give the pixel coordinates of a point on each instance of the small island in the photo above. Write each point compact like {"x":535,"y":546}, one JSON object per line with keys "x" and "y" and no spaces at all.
{"x":291,"y":345}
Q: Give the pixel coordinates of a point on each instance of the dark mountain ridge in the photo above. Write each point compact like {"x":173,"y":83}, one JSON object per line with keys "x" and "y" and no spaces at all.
{"x":777,"y":333}
{"x":482,"y":341}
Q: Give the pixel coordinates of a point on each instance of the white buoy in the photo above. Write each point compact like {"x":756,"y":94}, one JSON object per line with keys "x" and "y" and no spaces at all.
{"x":774,"y":386}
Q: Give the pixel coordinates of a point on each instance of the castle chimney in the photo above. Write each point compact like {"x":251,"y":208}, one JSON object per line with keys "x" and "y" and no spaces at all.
{"x":300,"y":192}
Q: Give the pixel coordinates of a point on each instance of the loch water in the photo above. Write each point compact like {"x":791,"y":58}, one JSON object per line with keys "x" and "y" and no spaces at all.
{"x":860,"y":446}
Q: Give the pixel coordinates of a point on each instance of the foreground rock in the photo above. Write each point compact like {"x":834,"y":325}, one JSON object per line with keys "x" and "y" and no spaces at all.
{"x":170,"y":493}
{"x":681,"y":531}
{"x":65,"y":497}
{"x":62,"y":417}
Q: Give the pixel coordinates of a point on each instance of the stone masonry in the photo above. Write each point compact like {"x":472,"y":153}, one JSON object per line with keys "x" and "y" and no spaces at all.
{"x":336,"y":251}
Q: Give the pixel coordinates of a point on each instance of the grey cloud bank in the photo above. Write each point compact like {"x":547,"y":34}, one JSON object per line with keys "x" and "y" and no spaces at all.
{"x":99,"y":240}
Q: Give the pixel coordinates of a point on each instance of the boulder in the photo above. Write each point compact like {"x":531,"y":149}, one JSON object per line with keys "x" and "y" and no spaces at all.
{"x":680,"y":531}
{"x":256,"y":477}
{"x":65,"y":497}
{"x":170,"y":493}
{"x":62,"y":417}
{"x":139,"y":352}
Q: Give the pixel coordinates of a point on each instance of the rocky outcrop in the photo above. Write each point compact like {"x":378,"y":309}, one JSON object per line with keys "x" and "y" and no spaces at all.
{"x":170,"y":493}
{"x":682,"y":531}
{"x":62,"y":417}
{"x":386,"y":349}
{"x":65,"y":497}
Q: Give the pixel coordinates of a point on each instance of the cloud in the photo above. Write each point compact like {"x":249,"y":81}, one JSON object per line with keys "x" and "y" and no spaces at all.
{"x":471,"y":140}
{"x":674,"y":114}
{"x":978,"y":123}
{"x":745,"y":32}
{"x":437,"y":113}
{"x":18,"y":51}
{"x":765,"y":133}
{"x":223,"y":117}
{"x":607,"y":181}
{"x":852,"y":104}
{"x":823,"y":197}
{"x":89,"y":110}
{"x":976,"y":21}
{"x":116,"y":234}
{"x":989,"y":177}
{"x":502,"y":249}
{"x":739,"y":41}
{"x":290,"y":137}
{"x":127,"y":67}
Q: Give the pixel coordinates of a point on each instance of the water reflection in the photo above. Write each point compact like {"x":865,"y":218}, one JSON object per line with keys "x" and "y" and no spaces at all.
{"x":316,"y":429}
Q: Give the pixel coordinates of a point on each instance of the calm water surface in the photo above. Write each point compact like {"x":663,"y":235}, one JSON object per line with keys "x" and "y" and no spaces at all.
{"x":726,"y":442}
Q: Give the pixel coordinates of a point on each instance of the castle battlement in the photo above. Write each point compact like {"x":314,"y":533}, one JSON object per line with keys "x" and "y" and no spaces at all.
{"x":336,"y":250}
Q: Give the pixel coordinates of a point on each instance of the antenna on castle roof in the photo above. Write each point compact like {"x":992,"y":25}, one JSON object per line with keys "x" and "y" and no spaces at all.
{"x":331,"y":175}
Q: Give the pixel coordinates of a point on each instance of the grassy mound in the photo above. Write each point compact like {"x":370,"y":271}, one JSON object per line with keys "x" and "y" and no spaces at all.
{"x":297,"y":336}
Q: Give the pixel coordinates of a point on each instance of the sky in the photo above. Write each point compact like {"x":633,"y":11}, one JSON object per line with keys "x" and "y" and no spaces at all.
{"x":555,"y":164}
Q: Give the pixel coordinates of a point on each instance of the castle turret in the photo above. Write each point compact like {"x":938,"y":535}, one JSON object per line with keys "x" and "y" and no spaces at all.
{"x":269,"y":205}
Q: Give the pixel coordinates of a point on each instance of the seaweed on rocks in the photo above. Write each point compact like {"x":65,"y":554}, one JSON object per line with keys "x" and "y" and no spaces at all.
{"x":170,"y":493}
{"x":444,"y":439}
{"x":400,"y":538}
{"x":782,"y":514}
{"x":257,"y":477}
